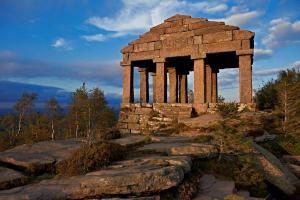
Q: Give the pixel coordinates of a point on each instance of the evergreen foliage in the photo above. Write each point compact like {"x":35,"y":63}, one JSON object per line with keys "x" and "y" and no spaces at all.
{"x":87,"y":116}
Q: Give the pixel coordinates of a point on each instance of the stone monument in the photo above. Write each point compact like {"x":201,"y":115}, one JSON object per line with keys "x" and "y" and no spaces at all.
{"x":179,"y":45}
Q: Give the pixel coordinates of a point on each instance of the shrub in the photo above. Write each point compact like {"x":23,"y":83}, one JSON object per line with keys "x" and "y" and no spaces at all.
{"x":228,"y":109}
{"x":247,"y":176}
{"x":203,"y":138}
{"x":108,"y":134}
{"x":91,"y":157}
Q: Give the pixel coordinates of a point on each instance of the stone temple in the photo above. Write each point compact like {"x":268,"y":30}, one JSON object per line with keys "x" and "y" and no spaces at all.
{"x":168,"y":53}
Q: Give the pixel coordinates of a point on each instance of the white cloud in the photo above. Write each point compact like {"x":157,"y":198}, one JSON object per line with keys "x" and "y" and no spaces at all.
{"x":61,"y":43}
{"x":137,"y":16}
{"x":262,"y":53}
{"x":217,"y":8}
{"x":282,"y":32}
{"x":242,"y":18}
{"x":296,"y":64}
{"x":94,"y":38}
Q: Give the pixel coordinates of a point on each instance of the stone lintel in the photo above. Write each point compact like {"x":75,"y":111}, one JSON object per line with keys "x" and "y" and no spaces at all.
{"x":122,"y":63}
{"x":159,"y":60}
{"x":198,"y":56}
{"x":245,"y":52}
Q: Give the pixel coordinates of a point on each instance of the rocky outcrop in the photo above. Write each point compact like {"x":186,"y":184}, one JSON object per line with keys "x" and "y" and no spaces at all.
{"x":11,"y":178}
{"x":148,"y":175}
{"x":39,"y":157}
{"x":191,"y":149}
{"x":275,"y":172}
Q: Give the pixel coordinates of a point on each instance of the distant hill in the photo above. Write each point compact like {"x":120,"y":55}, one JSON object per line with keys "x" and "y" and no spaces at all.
{"x":10,"y":92}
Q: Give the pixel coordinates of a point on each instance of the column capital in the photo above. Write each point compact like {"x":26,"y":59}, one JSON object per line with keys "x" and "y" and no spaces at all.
{"x":122,"y":63}
{"x":198,"y":56}
{"x":159,"y":60}
{"x":244,"y":52}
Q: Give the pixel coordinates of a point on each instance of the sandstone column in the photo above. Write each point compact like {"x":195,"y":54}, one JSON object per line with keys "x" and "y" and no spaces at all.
{"x":128,"y":95}
{"x":161,"y":83}
{"x":214,"y":83}
{"x":144,"y":85}
{"x":208,"y":81}
{"x":173,"y":84}
{"x":199,"y":81}
{"x":245,"y":67}
{"x":153,"y":86}
{"x":183,"y":88}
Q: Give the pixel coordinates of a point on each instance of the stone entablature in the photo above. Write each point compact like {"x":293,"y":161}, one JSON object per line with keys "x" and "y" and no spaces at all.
{"x":182,"y":35}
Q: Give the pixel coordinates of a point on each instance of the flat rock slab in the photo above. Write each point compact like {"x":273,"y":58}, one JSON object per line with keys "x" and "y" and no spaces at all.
{"x":131,"y":140}
{"x":190,"y":149}
{"x":148,"y":175}
{"x":10,"y":178}
{"x":275,"y":172}
{"x":136,"y":198}
{"x":41,"y":156}
{"x":171,"y":139}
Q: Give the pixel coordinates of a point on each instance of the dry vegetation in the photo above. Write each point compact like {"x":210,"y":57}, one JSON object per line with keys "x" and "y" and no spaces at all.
{"x":91,"y":157}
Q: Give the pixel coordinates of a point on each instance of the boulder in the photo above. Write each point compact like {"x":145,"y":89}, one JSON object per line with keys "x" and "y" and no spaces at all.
{"x":11,"y":178}
{"x":190,"y":149}
{"x":148,"y":175}
{"x":275,"y":172}
{"x":39,"y":157}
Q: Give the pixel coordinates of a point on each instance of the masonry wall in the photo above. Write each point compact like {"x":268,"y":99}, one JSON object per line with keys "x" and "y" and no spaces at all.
{"x":146,"y":118}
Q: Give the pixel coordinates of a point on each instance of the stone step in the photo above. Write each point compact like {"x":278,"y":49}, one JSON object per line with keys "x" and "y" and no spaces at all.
{"x":184,"y":148}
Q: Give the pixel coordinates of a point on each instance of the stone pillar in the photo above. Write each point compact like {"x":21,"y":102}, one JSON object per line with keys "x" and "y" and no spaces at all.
{"x":214,"y":85}
{"x":144,"y":85}
{"x":199,"y":81}
{"x":208,"y":82}
{"x":245,"y":67}
{"x":183,"y":88}
{"x":153,"y":86}
{"x":173,"y":85}
{"x":128,"y":95}
{"x":161,"y":83}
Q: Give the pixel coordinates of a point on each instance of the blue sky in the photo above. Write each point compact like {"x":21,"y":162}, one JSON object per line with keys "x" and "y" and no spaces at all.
{"x":64,"y":43}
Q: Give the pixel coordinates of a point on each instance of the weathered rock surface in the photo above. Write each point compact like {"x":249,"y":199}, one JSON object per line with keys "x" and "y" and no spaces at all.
{"x":171,"y":139}
{"x":275,"y":172}
{"x":191,"y":149}
{"x":139,"y":176}
{"x":131,"y":140}
{"x":10,"y":178}
{"x":41,"y":156}
{"x":136,"y":198}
